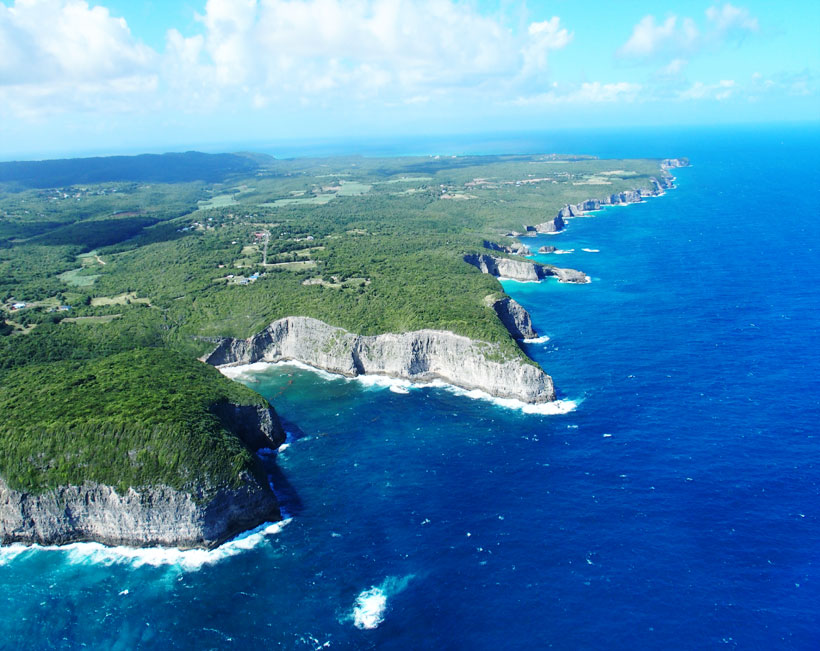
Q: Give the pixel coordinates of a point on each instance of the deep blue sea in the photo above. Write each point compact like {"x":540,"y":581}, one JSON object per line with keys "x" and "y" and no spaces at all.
{"x":678,"y":506}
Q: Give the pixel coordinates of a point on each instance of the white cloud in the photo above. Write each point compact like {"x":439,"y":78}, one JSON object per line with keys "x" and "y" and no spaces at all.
{"x":674,"y":68}
{"x":543,"y":37}
{"x":720,"y":91}
{"x":649,"y":37}
{"x":677,"y":35}
{"x":58,"y":55}
{"x":728,"y":18}
{"x":407,"y":47}
{"x":796,"y":84}
{"x":260,"y":53}
{"x":586,"y":93}
{"x":55,"y":40}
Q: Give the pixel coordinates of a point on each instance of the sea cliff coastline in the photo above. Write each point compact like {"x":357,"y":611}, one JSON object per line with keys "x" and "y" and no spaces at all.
{"x":197,"y":516}
{"x":203,"y":515}
{"x":556,"y":224}
{"x":422,"y":356}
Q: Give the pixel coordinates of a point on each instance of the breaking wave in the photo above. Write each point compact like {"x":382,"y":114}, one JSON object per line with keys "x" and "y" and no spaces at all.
{"x":371,"y":605}
{"x":537,"y":340}
{"x":380,"y":381}
{"x":186,"y":559}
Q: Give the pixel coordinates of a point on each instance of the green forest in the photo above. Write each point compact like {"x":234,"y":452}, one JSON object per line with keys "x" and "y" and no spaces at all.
{"x":104,"y":262}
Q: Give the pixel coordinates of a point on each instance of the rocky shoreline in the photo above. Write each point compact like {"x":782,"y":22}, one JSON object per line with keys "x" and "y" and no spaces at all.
{"x":422,"y":356}
{"x":558,"y":223}
{"x":523,"y":270}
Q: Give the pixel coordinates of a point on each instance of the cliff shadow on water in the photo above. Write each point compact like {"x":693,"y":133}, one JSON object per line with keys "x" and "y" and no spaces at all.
{"x":290,"y":504}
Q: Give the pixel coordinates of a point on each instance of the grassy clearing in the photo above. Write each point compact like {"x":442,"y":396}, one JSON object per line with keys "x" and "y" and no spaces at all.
{"x":406,"y":179}
{"x":298,"y":265}
{"x":121,"y":299}
{"x":91,"y":259}
{"x":76,"y":278}
{"x":317,"y":200}
{"x":218,"y":201}
{"x":353,"y":189}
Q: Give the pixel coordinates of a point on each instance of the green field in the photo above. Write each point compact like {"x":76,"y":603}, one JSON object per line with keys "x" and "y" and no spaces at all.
{"x":77,"y":277}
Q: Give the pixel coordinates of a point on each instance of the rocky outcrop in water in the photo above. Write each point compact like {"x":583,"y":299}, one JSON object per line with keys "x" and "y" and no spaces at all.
{"x":522,"y":270}
{"x":420,"y":356}
{"x":553,"y":225}
{"x":151,"y":515}
{"x":547,"y":249}
{"x":514,"y":317}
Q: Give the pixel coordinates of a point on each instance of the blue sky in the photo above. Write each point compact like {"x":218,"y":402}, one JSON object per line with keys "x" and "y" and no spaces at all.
{"x":121,"y":75}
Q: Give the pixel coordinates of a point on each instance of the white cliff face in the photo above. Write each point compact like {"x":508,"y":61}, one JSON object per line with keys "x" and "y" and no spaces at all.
{"x":552,"y":225}
{"x":514,"y":317}
{"x":516,"y":248}
{"x":420,"y":356}
{"x":523,"y":270}
{"x":143,"y":517}
{"x":569,"y":211}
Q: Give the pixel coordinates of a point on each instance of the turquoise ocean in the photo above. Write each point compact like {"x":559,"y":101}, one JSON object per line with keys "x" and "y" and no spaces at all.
{"x":677,"y":505}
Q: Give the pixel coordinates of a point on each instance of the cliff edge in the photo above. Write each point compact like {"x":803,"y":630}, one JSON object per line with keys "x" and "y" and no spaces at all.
{"x":420,"y":356}
{"x":143,"y":448}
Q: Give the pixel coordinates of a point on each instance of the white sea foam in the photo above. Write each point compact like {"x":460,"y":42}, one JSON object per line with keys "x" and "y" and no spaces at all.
{"x":592,"y":250}
{"x":537,"y":340}
{"x":369,"y":609}
{"x":372,"y":380}
{"x":563,"y":251}
{"x":544,"y":408}
{"x":371,"y":605}
{"x":186,"y":559}
{"x":514,"y":280}
{"x":243,"y":371}
{"x":10,"y":552}
{"x":547,"y":408}
{"x":247,"y":372}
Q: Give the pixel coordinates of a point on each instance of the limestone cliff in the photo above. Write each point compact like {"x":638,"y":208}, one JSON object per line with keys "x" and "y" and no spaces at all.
{"x":516,"y":248}
{"x":514,"y":317}
{"x":659,"y":186}
{"x":150,"y":515}
{"x":552,"y":225}
{"x":522,"y":270}
{"x":420,"y":356}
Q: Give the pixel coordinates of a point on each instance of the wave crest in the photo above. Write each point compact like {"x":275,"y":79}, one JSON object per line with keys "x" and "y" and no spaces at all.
{"x":186,"y":559}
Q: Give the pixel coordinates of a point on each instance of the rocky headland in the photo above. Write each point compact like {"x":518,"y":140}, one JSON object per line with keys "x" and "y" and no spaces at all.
{"x":419,"y":356}
{"x":199,"y":516}
{"x":514,"y":317}
{"x":523,"y":270}
{"x":516,"y":248}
